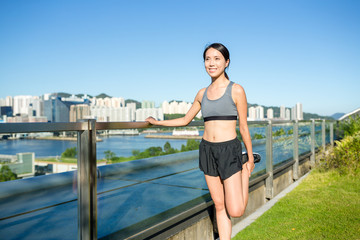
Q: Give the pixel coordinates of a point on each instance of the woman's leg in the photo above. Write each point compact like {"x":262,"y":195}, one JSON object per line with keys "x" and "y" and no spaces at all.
{"x":216,"y":189}
{"x":237,"y":192}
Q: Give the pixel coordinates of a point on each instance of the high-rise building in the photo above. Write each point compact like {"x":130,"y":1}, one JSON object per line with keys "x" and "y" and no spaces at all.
{"x":2,"y":102}
{"x":296,"y":112}
{"x":6,"y":111}
{"x":112,"y":114}
{"x":299,"y":111}
{"x":259,"y":113}
{"x":57,"y":109}
{"x":270,"y":113}
{"x":148,"y":104}
{"x":165,"y":107}
{"x":143,"y":113}
{"x":282,"y":112}
{"x":287,"y":114}
{"x":21,"y":104}
{"x":252,"y":113}
{"x":9,"y":101}
{"x":80,"y":111}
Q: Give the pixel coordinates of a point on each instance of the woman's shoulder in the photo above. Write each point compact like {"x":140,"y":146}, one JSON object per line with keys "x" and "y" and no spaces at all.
{"x":237,"y":87}
{"x":237,"y":90}
{"x":200,"y":94}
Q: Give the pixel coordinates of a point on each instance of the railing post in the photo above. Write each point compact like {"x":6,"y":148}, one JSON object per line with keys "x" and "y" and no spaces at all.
{"x":312,"y":157}
{"x":332,"y":134}
{"x":86,"y":182}
{"x":269,"y":162}
{"x":296,"y":149}
{"x":323,"y":132}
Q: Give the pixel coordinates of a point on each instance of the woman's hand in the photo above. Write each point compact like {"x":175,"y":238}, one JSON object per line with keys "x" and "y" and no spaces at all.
{"x":250,"y":166}
{"x":151,"y":120}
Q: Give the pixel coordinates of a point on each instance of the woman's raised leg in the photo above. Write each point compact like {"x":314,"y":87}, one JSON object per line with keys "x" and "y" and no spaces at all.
{"x":236,"y":190}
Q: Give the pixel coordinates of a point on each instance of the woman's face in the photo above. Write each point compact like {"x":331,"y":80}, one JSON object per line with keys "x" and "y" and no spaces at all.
{"x":215,"y":63}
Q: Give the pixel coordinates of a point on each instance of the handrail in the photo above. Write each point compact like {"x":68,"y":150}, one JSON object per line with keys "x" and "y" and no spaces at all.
{"x":42,"y":127}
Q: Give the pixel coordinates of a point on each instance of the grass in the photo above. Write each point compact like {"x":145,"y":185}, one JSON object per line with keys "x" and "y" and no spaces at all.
{"x":325,"y":205}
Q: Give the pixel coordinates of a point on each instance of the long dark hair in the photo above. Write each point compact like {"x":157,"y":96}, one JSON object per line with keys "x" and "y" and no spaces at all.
{"x":224,"y":51}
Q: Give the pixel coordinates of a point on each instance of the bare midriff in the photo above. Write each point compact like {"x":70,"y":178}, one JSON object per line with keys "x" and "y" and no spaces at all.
{"x":219,"y":130}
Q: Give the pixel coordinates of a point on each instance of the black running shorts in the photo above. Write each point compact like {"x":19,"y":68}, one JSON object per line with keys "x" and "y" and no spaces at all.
{"x":220,"y":158}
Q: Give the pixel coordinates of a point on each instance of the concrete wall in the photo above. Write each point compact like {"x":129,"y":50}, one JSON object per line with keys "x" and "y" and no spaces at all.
{"x":203,"y":229}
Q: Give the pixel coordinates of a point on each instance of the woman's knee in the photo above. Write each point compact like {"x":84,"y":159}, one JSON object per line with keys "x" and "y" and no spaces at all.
{"x":219,"y":204}
{"x":236,"y":212}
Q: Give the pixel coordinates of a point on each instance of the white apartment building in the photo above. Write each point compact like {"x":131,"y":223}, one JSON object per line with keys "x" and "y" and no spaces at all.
{"x":21,"y":104}
{"x":26,"y":105}
{"x":252,"y":113}
{"x":112,"y":114}
{"x":80,"y":111}
{"x":132,"y":106}
{"x":177,"y":108}
{"x":282,"y":112}
{"x":296,"y":112}
{"x":143,"y":113}
{"x":115,"y":102}
{"x":270,"y":113}
{"x":287,"y":114}
{"x":259,"y":113}
{"x":148,"y":104}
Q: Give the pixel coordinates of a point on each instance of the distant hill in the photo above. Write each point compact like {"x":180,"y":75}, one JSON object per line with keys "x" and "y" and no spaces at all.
{"x":62,"y":94}
{"x":337,"y":115}
{"x":81,"y":95}
{"x":138,"y":104}
{"x":103,"y":95}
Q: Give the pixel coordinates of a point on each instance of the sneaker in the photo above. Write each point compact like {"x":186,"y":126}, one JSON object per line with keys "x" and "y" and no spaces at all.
{"x":257,"y":157}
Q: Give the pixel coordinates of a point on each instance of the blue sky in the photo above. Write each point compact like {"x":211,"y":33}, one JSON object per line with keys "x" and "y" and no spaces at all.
{"x":282,"y":51}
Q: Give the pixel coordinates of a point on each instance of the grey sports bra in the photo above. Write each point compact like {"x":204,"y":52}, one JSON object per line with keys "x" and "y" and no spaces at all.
{"x":222,"y":108}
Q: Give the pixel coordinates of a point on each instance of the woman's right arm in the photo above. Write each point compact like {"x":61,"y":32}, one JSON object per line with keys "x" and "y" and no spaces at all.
{"x":189,"y":116}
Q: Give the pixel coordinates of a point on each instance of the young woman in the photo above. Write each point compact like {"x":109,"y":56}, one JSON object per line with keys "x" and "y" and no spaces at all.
{"x":220,"y":154}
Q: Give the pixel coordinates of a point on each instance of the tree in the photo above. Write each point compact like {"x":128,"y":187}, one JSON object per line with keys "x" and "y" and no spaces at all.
{"x":109,"y":154}
{"x":167,"y":147}
{"x":6,"y":174}
{"x":69,"y":153}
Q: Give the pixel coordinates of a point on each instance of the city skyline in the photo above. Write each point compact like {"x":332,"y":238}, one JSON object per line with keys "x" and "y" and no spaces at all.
{"x":54,"y":108}
{"x":281,"y":51}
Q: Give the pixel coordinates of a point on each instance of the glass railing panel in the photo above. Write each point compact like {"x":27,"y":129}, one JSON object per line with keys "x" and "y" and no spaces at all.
{"x":318,"y":134}
{"x":44,"y":195}
{"x":282,"y":144}
{"x":327,"y":132}
{"x":151,"y":175}
{"x":304,"y":141}
{"x":258,"y":139}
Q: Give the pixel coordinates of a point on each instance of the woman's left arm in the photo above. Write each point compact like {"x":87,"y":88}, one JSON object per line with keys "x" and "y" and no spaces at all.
{"x":241,"y":105}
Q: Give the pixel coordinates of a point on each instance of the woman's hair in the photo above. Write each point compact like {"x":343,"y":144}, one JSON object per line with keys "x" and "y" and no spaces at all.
{"x":221,"y":48}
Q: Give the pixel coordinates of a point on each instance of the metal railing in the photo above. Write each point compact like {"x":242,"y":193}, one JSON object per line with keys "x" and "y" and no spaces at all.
{"x":86,"y":164}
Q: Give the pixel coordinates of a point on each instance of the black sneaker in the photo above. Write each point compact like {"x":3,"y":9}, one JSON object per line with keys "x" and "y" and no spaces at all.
{"x":257,"y":157}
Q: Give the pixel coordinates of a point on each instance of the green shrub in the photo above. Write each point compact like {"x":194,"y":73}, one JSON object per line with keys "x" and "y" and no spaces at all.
{"x":258,"y":136}
{"x":6,"y":174}
{"x":69,"y":153}
{"x":349,"y":126}
{"x":345,"y":156}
